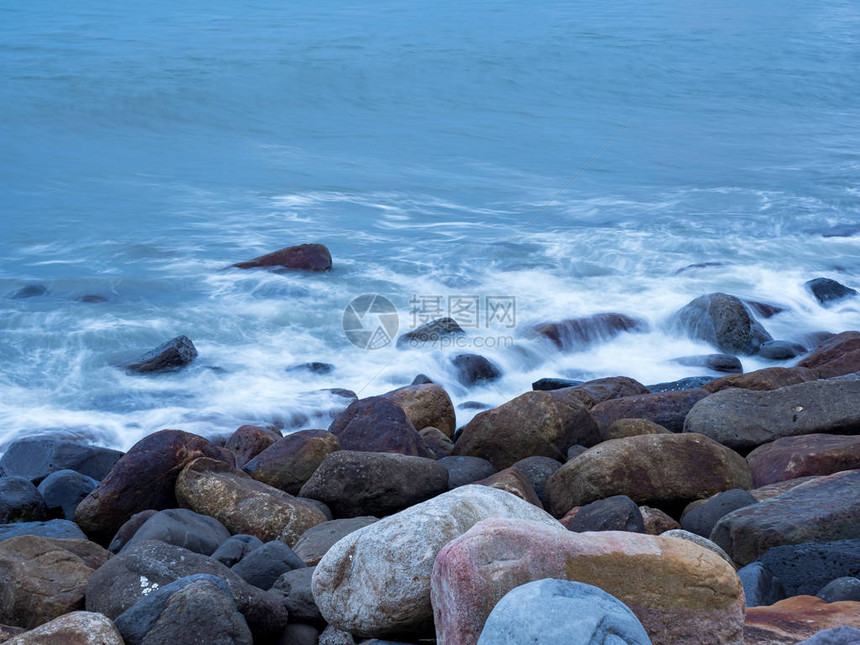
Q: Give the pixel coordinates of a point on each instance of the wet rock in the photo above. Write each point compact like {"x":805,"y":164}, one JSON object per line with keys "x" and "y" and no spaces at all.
{"x":314,"y":367}
{"x":375,"y":424}
{"x":294,"y":590}
{"x":668,"y":409}
{"x":43,"y":578}
{"x":249,"y":441}
{"x":75,"y":628}
{"x":437,"y":442}
{"x":812,"y":454}
{"x":181,"y":527}
{"x":30,"y":291}
{"x":722,"y":320}
{"x":599,"y":390}
{"x":772,"y":490}
{"x":663,"y":470}
{"x":616,"y":513}
{"x":745,"y":419}
{"x":689,"y":383}
{"x":317,"y":540}
{"x":464,"y":470}
{"x":474,"y":405}
{"x":770,"y":378}
{"x":353,"y":484}
{"x":577,"y":333}
{"x":826,"y":509}
{"x":780,"y":350}
{"x":845,"y":588}
{"x":828,"y":291}
{"x":533,"y":424}
{"x":716,"y":362}
{"x":175,"y":353}
{"x":92,"y":298}
{"x":397,"y":553}
{"x":794,"y":619}
{"x":538,"y":470}
{"x":838,"y":355}
{"x":128,"y":529}
{"x":834,"y":636}
{"x":265,"y":564}
{"x":689,"y":590}
{"x":426,"y":406}
{"x":59,"y":529}
{"x":656,"y":521}
{"x":304,"y":257}
{"x":63,"y":491}
{"x":631,"y":428}
{"x":431,"y":333}
{"x":761,"y":587}
{"x":290,"y":462}
{"x":764,"y":309}
{"x":421,"y":379}
{"x":513,"y":481}
{"x":806,"y":568}
{"x":143,"y":478}
{"x":474,"y":368}
{"x":703,"y":542}
{"x":702,"y":519}
{"x":556,"y":612}
{"x":242,"y":504}
{"x":20,"y":501}
{"x":36,"y":458}
{"x":546,"y":384}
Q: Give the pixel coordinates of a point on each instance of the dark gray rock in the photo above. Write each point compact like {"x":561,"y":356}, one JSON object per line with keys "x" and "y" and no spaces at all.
{"x":235,"y":548}
{"x":314,"y":367}
{"x":764,"y":309}
{"x":702,"y":519}
{"x":175,"y":353}
{"x":473,"y":405}
{"x":300,"y":634}
{"x":376,"y":424}
{"x":761,"y":587}
{"x":722,"y":320}
{"x":302,"y":257}
{"x":36,"y":458}
{"x":575,"y":451}
{"x":577,"y":333}
{"x":466,"y":470}
{"x":128,"y":529}
{"x":317,"y":540}
{"x":689,"y":383}
{"x":828,"y":291}
{"x":422,"y":379}
{"x":804,"y":569}
{"x":294,"y":590}
{"x":834,"y":636}
{"x":845,"y":588}
{"x":780,"y":350}
{"x":59,"y":529}
{"x":20,"y":501}
{"x":265,"y":564}
{"x":430,"y":334}
{"x":538,"y":470}
{"x":182,"y":527}
{"x":30,"y":291}
{"x":474,"y":368}
{"x":554,"y":384}
{"x":63,"y":490}
{"x":725,"y":363}
{"x":616,"y":513}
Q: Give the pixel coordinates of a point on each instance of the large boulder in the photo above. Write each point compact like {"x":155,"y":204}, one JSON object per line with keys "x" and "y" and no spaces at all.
{"x":288,"y":463}
{"x":249,"y":441}
{"x":75,"y":628}
{"x":681,"y":592}
{"x":599,"y":390}
{"x":353,"y":483}
{"x":513,"y":481}
{"x":836,"y":356}
{"x":181,"y":527}
{"x":376,"y":580}
{"x":667,"y":409}
{"x":631,"y":428}
{"x":464,"y":470}
{"x":304,"y":257}
{"x":175,"y":353}
{"x":828,"y":291}
{"x":804,"y":569}
{"x":265,"y":564}
{"x":533,"y":424}
{"x":769,"y":378}
{"x":722,"y":320}
{"x":616,"y":513}
{"x":561,"y":612}
{"x":128,"y":529}
{"x":427,"y":405}
{"x":794,"y":619}
{"x":844,"y":588}
{"x":63,"y":490}
{"x":538,"y":470}
{"x":662,"y":470}
{"x":37,"y":458}
{"x":144,"y":478}
{"x":20,"y":501}
{"x":376,"y":424}
{"x":317,"y":540}
{"x":577,"y":333}
{"x":243,"y":504}
{"x":43,"y":578}
{"x":804,"y":455}
{"x":822,"y":510}
{"x":744,"y":419}
{"x":702,"y":519}
{"x":294,"y":589}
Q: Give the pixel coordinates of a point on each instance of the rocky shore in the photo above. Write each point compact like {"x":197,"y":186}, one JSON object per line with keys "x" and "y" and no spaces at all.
{"x":711,"y":511}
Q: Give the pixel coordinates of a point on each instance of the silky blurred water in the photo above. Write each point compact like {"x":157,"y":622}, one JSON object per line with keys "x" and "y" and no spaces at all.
{"x":146,"y":146}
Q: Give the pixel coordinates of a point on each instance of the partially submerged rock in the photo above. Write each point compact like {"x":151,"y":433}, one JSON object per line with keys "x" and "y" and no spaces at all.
{"x":577,"y":333}
{"x":175,"y":353}
{"x":724,"y":321}
{"x":305,"y":257}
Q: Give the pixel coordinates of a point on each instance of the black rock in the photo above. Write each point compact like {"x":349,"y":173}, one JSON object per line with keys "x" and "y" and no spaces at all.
{"x":465,"y":470}
{"x":314,"y":367}
{"x":235,"y":548}
{"x":689,"y":383}
{"x":554,"y":383}
{"x":845,"y":588}
{"x":294,"y":590}
{"x":265,"y":564}
{"x":58,"y":529}
{"x":30,"y":291}
{"x":780,"y":350}
{"x":538,"y":470}
{"x":128,"y":529}
{"x":761,"y":587}
{"x":64,"y":489}
{"x":702,"y":519}
{"x":421,"y":379}
{"x":35,"y":458}
{"x":575,"y":450}
{"x":20,"y":501}
{"x":185,"y":528}
{"x":722,"y":320}
{"x":616,"y":513}
{"x":805,"y":568}
{"x":175,"y":353}
{"x":92,"y":298}
{"x":828,"y":291}
{"x":474,"y":405}
{"x":474,"y":368}
{"x":725,"y":363}
{"x":430,"y":333}
{"x":300,"y":634}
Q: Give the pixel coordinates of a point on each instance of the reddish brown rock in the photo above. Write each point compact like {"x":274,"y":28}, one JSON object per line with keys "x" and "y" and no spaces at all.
{"x":632,"y":428}
{"x":576,"y":333}
{"x":667,"y":409}
{"x":770,"y":378}
{"x":795,"y":619}
{"x":376,"y":424}
{"x":249,"y":441}
{"x":307,"y":257}
{"x":513,"y":481}
{"x":290,"y":462}
{"x":772,"y":490}
{"x":599,"y":390}
{"x":803,"y":456}
{"x":143,"y":478}
{"x":426,"y":405}
{"x":838,"y":355}
{"x":656,"y":521}
{"x":437,"y":442}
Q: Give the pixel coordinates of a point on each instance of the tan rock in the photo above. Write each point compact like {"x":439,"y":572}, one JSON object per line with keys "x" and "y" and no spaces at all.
{"x":291,"y":461}
{"x":427,"y":406}
{"x":76,"y":628}
{"x":513,"y":481}
{"x":632,"y":428}
{"x":795,"y":619}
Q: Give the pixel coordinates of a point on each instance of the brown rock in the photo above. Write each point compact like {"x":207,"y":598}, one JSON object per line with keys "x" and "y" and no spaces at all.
{"x":770,"y":378}
{"x":76,"y":628}
{"x":513,"y":481}
{"x":308,"y":257}
{"x":667,"y":409}
{"x":632,"y":428}
{"x":376,"y":424}
{"x":437,"y":442}
{"x":810,"y":454}
{"x":43,"y":578}
{"x":833,"y":351}
{"x":290,"y":462}
{"x":243,"y":504}
{"x":848,"y":363}
{"x":568,"y":518}
{"x":426,"y":405}
{"x":576,"y":333}
{"x":599,"y":390}
{"x":656,"y":521}
{"x":772,"y":490}
{"x":795,"y":619}
{"x":249,"y":441}
{"x":317,"y":540}
{"x":127,"y":530}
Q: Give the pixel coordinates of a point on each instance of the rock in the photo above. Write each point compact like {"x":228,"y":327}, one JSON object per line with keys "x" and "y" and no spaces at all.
{"x":656,"y":521}
{"x":421,"y":379}
{"x":835,"y":356}
{"x":249,"y":441}
{"x":793,"y":619}
{"x":834,"y":636}
{"x":599,"y":390}
{"x":556,"y":612}
{"x":702,"y":519}
{"x":689,"y":383}
{"x":717,"y":362}
{"x":63,"y":491}
{"x":426,"y":406}
{"x":705,"y":543}
{"x":145,"y":567}
{"x":300,"y":634}
{"x":143,"y":478}
{"x":265,"y":564}
{"x":828,"y":291}
{"x":681,"y":592}
{"x":667,"y":409}
{"x":437,"y":442}
{"x":780,"y":350}
{"x":375,"y":424}
{"x":616,"y":513}
{"x":333,"y":636}
{"x":723,"y":321}
{"x":474,"y":368}
{"x":128,"y":529}
{"x":181,"y":527}
{"x":317,"y":540}
{"x":663,"y":470}
{"x":242,"y":504}
{"x":538,"y":470}
{"x":770,"y":378}
{"x":474,"y":405}
{"x":294,"y":590}
{"x":175,"y":353}
{"x":290,"y":462}
{"x":546,"y":384}
{"x":314,"y":367}
{"x":533,"y":424}
{"x":575,"y":451}
{"x":772,"y":490}
{"x":432,"y":332}
{"x":30,"y":291}
{"x":198,"y":606}
{"x":43,"y":578}
{"x":304,"y":257}
{"x":20,"y":501}
{"x":236,"y":547}
{"x":826,"y":509}
{"x":764,"y":309}
{"x":513,"y":481}
{"x":75,"y":628}
{"x":577,"y":333}
{"x":35,"y":459}
{"x":397,"y":554}
{"x":7,"y":632}
{"x":464,"y":470}
{"x":845,"y":588}
{"x":812,"y":454}
{"x":805,"y":568}
{"x":761,"y":587}
{"x":631,"y":428}
{"x":59,"y":529}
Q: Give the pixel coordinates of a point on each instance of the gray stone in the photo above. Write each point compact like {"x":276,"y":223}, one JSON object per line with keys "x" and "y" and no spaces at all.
{"x":845,"y":588}
{"x":681,"y":534}
{"x":36,"y":458}
{"x":235,"y":548}
{"x":761,"y":587}
{"x":128,"y":529}
{"x":835,"y":636}
{"x":828,"y":291}
{"x":264,"y":565}
{"x":724,"y":321}
{"x":294,"y":590}
{"x":175,"y":353}
{"x":538,"y":470}
{"x":300,"y":634}
{"x":725,"y":363}
{"x":464,"y":470}
{"x":780,"y":350}
{"x":20,"y":501}
{"x":59,"y":529}
{"x":689,"y":383}
{"x":64,"y":489}
{"x":616,"y":513}
{"x":805,"y":568}
{"x":317,"y":540}
{"x":702,"y":519}
{"x":334,"y":636}
{"x":185,"y":528}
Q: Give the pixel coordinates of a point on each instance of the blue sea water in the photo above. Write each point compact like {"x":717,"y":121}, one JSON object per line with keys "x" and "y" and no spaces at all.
{"x":146,"y":146}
